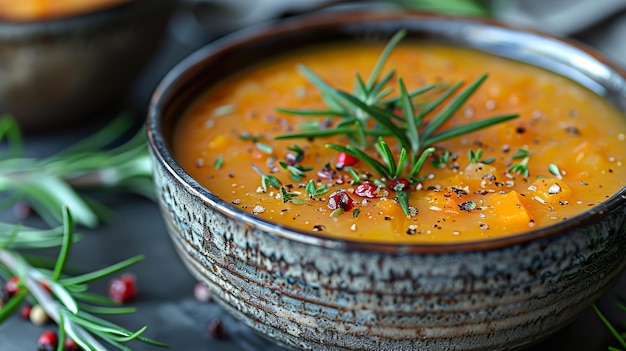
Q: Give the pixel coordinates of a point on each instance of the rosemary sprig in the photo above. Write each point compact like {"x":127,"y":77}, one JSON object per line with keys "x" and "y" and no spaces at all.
{"x":50,"y":183}
{"x":621,"y":338}
{"x":67,"y":303}
{"x":365,"y":118}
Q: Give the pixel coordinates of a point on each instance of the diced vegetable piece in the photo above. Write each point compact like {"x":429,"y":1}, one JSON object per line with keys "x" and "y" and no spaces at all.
{"x":510,"y":209}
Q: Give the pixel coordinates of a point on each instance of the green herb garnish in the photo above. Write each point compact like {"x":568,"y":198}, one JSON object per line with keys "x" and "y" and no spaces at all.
{"x":365,"y":118}
{"x":554,"y":169}
{"x":219,"y":162}
{"x":442,"y":160}
{"x":474,"y":157}
{"x":522,"y":167}
{"x":356,"y":178}
{"x":337,"y":212}
{"x":313,"y":191}
{"x":287,"y":196}
{"x":299,"y":153}
{"x":403,"y":200}
{"x":247,"y":136}
{"x":296,"y":171}
{"x":267,"y":179}
{"x":264,"y":147}
{"x":223,"y":110}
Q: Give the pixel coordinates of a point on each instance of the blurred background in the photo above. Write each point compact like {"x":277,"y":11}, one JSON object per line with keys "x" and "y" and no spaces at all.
{"x":66,"y":67}
{"x":72,"y":61}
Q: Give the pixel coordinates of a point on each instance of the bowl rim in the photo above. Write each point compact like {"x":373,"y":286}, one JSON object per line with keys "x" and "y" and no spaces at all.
{"x":175,"y":79}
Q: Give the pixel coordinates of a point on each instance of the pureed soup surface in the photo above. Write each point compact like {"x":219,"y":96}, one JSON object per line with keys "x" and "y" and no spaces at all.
{"x":232,"y":127}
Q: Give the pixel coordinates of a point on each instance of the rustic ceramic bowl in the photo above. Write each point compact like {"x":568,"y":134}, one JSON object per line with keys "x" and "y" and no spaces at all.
{"x":311,"y":292}
{"x":71,"y":69}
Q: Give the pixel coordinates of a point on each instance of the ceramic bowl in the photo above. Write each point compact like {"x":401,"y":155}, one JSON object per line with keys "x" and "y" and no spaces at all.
{"x":71,"y":69}
{"x":311,"y":292}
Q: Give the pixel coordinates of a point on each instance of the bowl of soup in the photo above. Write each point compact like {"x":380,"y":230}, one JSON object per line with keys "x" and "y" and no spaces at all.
{"x":64,"y":63}
{"x":384,"y":180}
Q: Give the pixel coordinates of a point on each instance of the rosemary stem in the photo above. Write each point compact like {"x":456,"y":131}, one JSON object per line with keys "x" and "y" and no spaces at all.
{"x":52,"y":307}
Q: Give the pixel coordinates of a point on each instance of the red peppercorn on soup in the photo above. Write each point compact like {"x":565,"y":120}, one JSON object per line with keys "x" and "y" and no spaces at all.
{"x":364,"y":141}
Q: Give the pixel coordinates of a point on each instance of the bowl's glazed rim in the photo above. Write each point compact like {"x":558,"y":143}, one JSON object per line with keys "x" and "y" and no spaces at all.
{"x":175,"y":79}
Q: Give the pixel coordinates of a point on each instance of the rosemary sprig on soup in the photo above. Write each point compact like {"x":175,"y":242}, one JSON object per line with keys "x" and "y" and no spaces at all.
{"x":413,"y":153}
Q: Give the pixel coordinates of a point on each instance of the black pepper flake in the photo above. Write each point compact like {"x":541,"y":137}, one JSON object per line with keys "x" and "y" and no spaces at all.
{"x":231,"y":175}
{"x":459,"y":191}
{"x":318,"y":228}
{"x":484,"y":226}
{"x":412,"y":230}
{"x":520,"y":130}
{"x":572,"y":131}
{"x":489,"y":176}
{"x":387,"y":218}
{"x":467,"y":206}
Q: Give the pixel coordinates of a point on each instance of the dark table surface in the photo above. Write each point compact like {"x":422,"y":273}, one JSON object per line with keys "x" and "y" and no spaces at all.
{"x":165,"y":299}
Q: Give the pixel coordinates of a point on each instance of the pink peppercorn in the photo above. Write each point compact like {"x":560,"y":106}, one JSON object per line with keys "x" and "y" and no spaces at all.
{"x":340,"y":199}
{"x":345,"y":160}
{"x":366,"y":189}
{"x":123,"y":288}
{"x":48,"y":341}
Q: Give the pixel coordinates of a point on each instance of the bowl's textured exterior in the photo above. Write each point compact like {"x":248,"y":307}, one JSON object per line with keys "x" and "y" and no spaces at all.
{"x":53,"y":72}
{"x":309,"y":292}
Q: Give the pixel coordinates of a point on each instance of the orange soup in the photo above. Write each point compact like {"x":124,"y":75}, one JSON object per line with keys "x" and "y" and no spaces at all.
{"x":29,"y":10}
{"x":563,"y":154}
